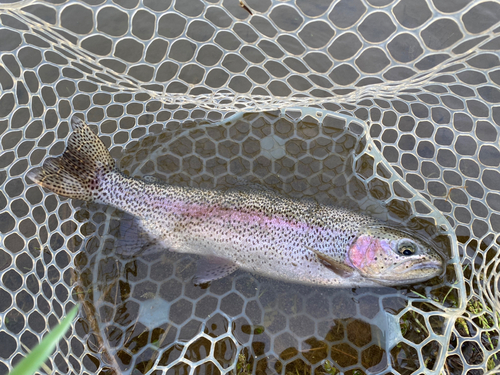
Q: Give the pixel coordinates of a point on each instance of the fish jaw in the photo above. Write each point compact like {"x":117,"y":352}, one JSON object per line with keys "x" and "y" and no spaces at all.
{"x":418,"y":271}
{"x":376,"y":259}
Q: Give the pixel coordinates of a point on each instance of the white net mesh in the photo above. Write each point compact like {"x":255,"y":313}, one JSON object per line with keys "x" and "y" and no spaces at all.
{"x":389,"y":107}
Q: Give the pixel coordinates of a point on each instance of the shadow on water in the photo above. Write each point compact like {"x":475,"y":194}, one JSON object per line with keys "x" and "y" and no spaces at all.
{"x":145,"y":312}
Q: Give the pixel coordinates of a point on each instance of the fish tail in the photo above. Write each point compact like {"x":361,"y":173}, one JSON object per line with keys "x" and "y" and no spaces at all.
{"x":77,"y":172}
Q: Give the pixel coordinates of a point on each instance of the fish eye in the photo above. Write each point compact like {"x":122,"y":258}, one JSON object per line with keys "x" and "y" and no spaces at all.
{"x":407,"y":248}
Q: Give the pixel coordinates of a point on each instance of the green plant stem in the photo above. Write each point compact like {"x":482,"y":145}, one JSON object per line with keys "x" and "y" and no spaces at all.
{"x":42,"y":351}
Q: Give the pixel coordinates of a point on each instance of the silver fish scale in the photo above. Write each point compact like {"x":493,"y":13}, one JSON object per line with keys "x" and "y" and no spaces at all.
{"x":167,"y":212}
{"x":415,"y":81}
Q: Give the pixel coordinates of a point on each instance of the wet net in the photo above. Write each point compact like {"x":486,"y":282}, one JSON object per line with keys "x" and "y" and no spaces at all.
{"x":388,"y":107}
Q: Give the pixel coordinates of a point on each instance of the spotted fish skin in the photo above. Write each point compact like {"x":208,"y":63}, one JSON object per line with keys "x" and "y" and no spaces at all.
{"x":258,"y":231}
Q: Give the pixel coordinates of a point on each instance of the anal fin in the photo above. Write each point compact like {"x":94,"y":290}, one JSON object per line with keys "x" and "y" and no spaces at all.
{"x":134,"y":240}
{"x":213,"y":268}
{"x":332,"y":264}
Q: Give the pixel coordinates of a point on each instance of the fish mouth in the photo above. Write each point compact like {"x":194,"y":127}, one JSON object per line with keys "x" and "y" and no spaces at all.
{"x":419,"y":272}
{"x":425,"y":265}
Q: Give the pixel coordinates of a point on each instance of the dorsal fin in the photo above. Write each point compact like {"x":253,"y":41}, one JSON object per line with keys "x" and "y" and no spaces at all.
{"x":150,"y":179}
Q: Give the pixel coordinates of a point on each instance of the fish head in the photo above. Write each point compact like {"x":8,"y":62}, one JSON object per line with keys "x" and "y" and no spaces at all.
{"x":391,"y":256}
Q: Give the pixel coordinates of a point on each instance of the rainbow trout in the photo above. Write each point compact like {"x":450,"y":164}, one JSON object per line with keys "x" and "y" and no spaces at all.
{"x":257,"y":231}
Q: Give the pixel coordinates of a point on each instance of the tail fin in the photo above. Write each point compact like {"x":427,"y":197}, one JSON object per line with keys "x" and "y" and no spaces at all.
{"x":76,"y":172}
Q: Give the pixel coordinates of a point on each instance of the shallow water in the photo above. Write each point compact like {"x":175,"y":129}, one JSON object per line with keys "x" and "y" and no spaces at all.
{"x":149,"y":305}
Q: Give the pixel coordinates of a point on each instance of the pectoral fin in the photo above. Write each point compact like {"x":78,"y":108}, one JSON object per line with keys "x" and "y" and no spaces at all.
{"x":332,"y":264}
{"x":213,"y":268}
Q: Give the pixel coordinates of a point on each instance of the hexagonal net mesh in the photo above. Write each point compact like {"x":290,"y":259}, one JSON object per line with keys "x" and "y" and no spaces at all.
{"x":388,"y":107}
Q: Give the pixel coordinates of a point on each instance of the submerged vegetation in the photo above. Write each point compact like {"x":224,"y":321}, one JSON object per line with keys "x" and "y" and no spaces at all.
{"x":481,"y":316}
{"x":243,"y":367}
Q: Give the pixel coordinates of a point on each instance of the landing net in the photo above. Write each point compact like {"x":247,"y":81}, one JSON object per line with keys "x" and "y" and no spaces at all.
{"x":388,"y":107}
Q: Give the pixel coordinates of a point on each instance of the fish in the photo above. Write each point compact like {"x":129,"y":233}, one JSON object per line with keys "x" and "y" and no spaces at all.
{"x":256,"y":230}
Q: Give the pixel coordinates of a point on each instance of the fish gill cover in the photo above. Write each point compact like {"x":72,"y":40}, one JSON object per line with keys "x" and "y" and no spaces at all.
{"x":387,"y":107}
